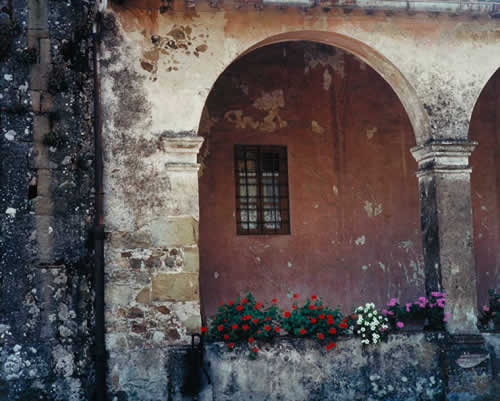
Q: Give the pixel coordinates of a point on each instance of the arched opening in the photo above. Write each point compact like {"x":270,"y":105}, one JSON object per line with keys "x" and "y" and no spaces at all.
{"x":485,"y":186}
{"x":353,"y":194}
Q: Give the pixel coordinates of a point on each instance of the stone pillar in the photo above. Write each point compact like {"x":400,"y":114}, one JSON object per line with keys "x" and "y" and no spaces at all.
{"x":446,"y":220}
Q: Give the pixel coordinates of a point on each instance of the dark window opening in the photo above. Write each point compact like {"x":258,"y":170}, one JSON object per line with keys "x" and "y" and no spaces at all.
{"x":262,"y":201}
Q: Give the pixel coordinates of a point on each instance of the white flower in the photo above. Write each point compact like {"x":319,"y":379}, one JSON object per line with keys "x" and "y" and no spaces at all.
{"x":370,"y":315}
{"x":363,"y":329}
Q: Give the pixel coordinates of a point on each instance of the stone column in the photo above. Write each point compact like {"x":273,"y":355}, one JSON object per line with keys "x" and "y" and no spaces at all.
{"x":446,"y":220}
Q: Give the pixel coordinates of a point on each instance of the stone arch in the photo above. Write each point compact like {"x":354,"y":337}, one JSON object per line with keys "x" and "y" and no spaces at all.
{"x":215,"y":183}
{"x":385,"y":68}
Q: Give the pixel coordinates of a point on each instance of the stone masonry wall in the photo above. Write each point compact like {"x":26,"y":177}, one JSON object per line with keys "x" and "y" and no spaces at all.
{"x":46,"y":200}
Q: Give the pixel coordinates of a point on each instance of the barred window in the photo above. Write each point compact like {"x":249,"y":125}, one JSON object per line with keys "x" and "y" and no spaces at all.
{"x":262,"y":201}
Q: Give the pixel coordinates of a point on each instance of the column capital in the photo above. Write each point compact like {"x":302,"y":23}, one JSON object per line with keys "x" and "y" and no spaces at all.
{"x":448,"y":157}
{"x":182,"y":152}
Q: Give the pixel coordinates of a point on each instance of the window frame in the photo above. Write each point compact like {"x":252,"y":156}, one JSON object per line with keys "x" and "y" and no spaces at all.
{"x":283,"y":189}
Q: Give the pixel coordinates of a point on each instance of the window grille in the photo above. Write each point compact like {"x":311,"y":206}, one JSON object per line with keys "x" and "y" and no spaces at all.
{"x":262,"y":201}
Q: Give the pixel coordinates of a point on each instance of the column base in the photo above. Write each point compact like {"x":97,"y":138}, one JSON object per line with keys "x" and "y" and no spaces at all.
{"x":467,"y":368}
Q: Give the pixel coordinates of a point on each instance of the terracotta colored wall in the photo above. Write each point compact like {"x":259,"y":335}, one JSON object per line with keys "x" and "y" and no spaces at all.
{"x":353,"y":191}
{"x":485,"y":181}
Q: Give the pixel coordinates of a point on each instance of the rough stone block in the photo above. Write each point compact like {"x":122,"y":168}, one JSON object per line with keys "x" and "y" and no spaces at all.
{"x":129,"y":240}
{"x":45,"y":238}
{"x":41,"y":126}
{"x":43,"y":182}
{"x":43,"y":206}
{"x":47,"y":103}
{"x":118,"y":294}
{"x":144,"y":296}
{"x":176,"y":287}
{"x":45,"y":51}
{"x":174,"y":231}
{"x":39,"y":76}
{"x":192,"y":260}
{"x":38,"y":14}
{"x":35,"y":101}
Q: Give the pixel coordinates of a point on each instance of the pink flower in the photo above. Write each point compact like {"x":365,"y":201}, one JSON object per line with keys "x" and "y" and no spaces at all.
{"x":486,"y":308}
{"x":408,"y":306}
{"x":389,"y":312}
{"x":498,"y":300}
{"x":445,"y":319}
{"x":447,"y":314}
{"x":392,"y":302}
{"x":400,"y":325}
{"x":422,"y":300}
{"x":436,"y":294}
{"x":441,"y":302}
{"x":384,"y":311}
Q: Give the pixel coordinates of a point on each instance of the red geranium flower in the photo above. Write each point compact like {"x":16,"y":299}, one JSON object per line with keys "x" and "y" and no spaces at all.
{"x":258,"y":305}
{"x":321,"y":315}
{"x":222,"y":303}
{"x":259,"y":331}
{"x":294,"y":306}
{"x":331,"y":345}
{"x":245,"y":327}
{"x":226,"y":336}
{"x":230,"y":345}
{"x":203,"y":329}
{"x":244,"y":301}
{"x":229,"y":303}
{"x":239,"y":307}
{"x":255,"y":349}
{"x":256,"y":320}
{"x":268,"y":318}
{"x":302,"y":331}
{"x":247,"y":317}
{"x":331,"y":321}
{"x":251,"y":339}
{"x":234,"y":326}
{"x":220,"y":327}
{"x":287,"y":314}
{"x":214,"y":317}
{"x":333,"y":330}
{"x":343,"y":325}
{"x":311,"y":306}
{"x":277,"y":329}
{"x":329,"y":317}
{"x":274,"y":300}
{"x":267,"y":327}
{"x":295,"y":295}
{"x":313,"y":320}
{"x":321,"y":336}
{"x":313,"y":297}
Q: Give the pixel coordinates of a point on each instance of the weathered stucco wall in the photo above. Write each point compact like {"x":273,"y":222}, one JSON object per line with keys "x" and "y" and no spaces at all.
{"x":426,"y":57}
{"x":354,"y":211}
{"x":485,"y":180}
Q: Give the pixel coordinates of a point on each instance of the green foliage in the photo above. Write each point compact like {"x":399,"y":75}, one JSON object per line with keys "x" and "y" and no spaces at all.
{"x":244,"y":321}
{"x":313,"y":319}
{"x":429,"y":309}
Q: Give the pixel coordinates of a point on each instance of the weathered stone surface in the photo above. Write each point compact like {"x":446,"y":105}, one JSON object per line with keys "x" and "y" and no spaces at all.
{"x":172,"y":231}
{"x":191,"y":260}
{"x":175,"y":287}
{"x":405,"y":368}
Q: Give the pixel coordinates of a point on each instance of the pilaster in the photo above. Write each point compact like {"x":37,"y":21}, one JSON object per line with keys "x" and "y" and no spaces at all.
{"x":446,"y":221}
